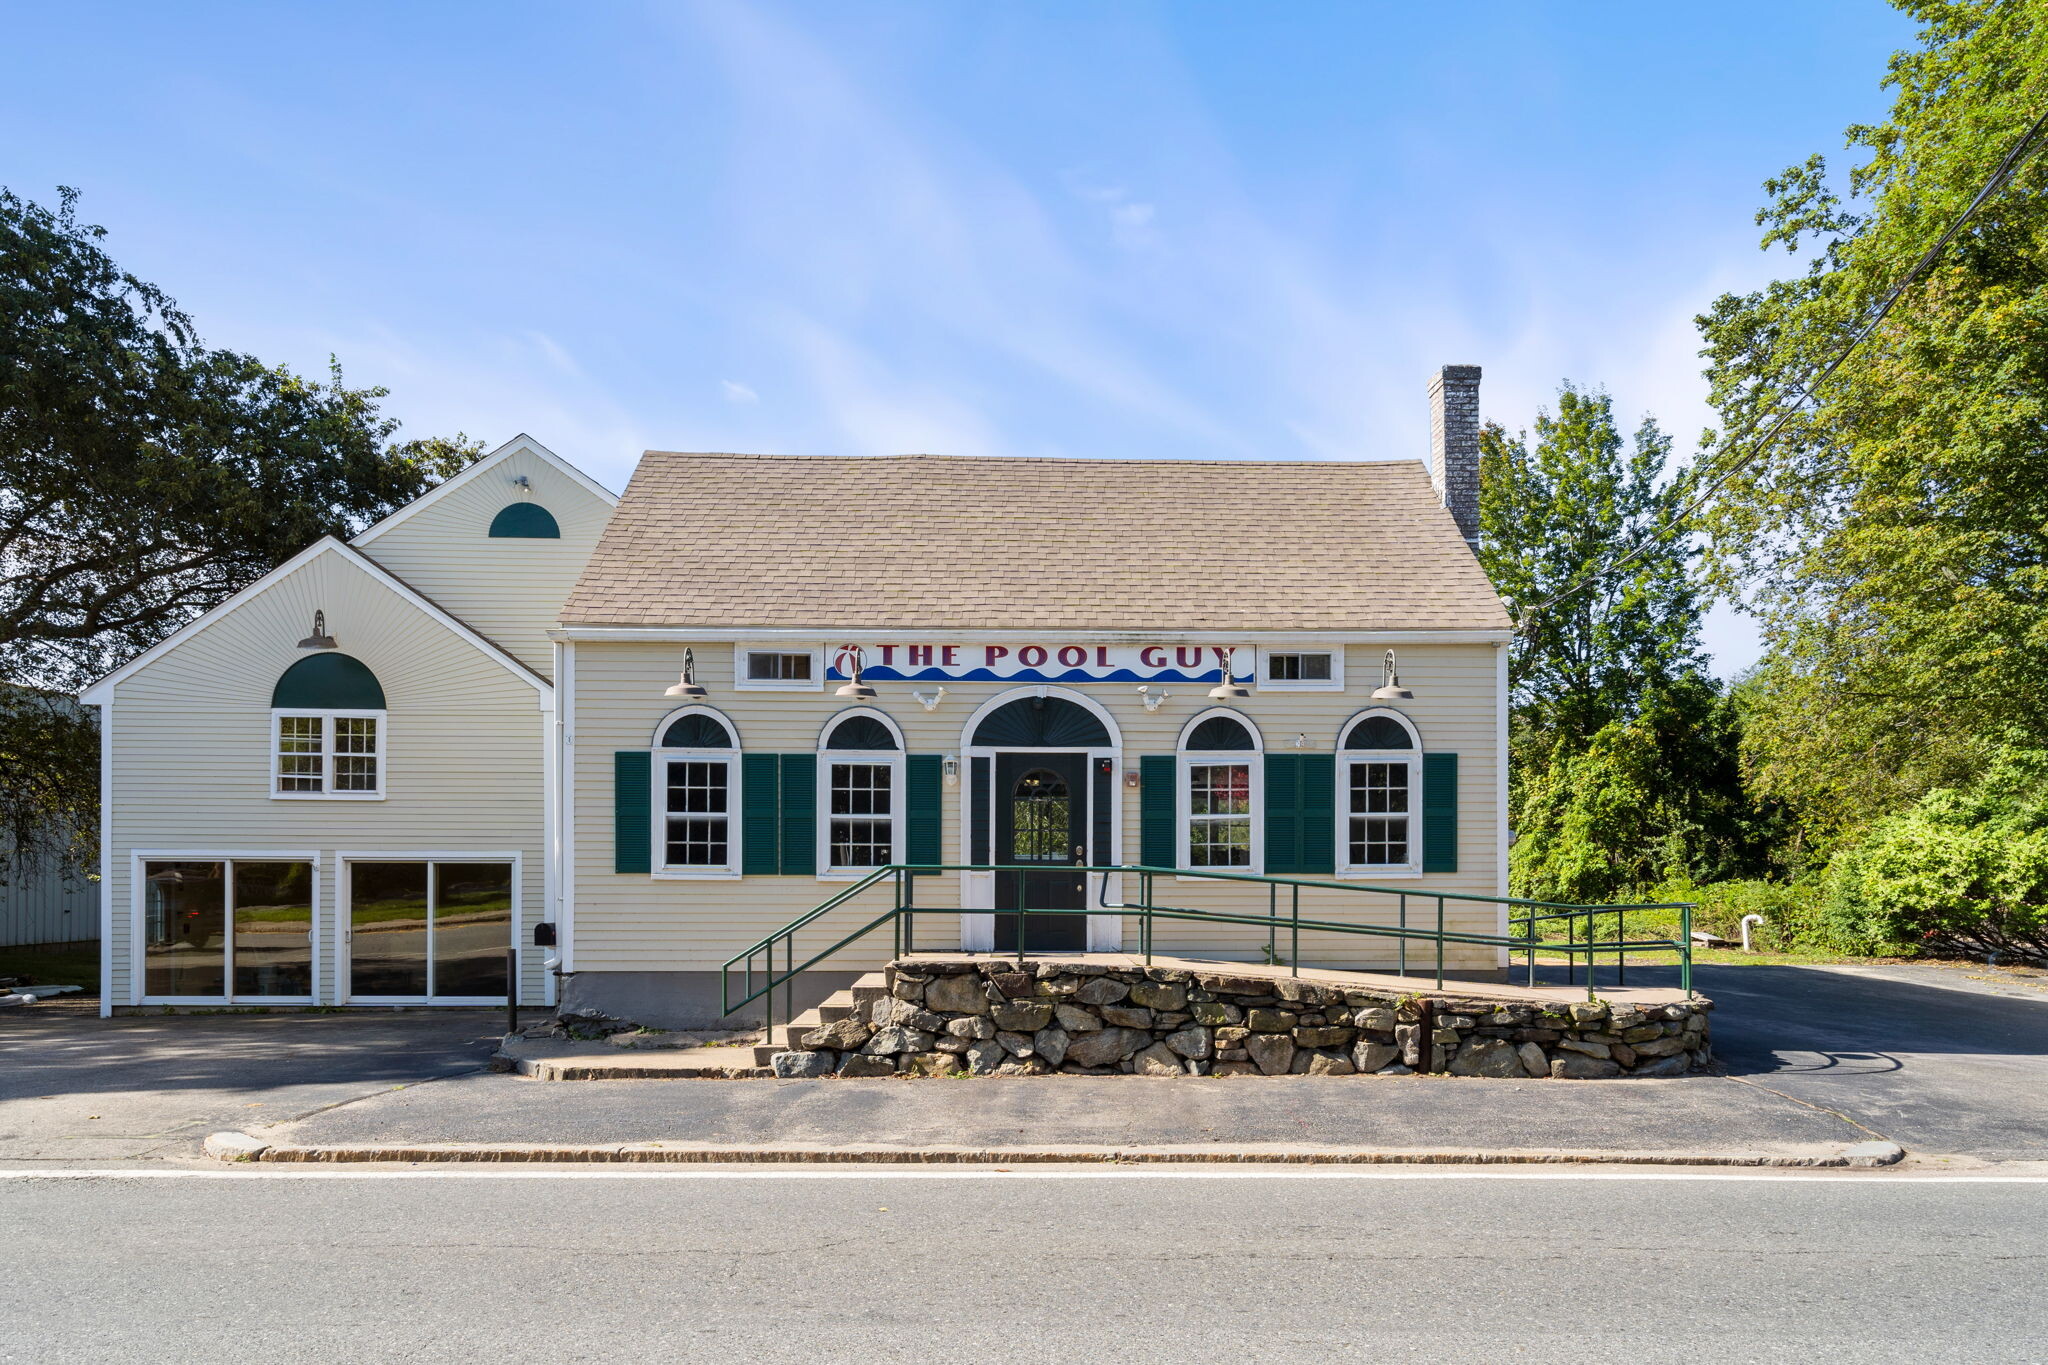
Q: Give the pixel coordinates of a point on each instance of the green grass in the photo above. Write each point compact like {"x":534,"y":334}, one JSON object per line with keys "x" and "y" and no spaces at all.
{"x":71,"y":967}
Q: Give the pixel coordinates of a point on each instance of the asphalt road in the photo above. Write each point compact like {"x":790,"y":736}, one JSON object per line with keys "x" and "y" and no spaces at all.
{"x":1105,"y":1267}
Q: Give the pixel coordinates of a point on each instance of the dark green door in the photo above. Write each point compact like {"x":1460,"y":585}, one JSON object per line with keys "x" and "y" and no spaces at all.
{"x":1042,"y":824}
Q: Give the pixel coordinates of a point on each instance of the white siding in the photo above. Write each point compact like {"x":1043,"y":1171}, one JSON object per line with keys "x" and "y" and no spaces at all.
{"x":191,"y":751}
{"x":509,"y":589}
{"x":636,"y":923}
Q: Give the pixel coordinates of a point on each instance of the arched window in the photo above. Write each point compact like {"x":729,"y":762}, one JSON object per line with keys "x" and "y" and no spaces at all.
{"x":861,"y":791}
{"x":696,"y":773}
{"x":327,"y":731}
{"x":1379,"y":780}
{"x":1222,"y":785}
{"x":525,"y":521}
{"x":1041,"y":723}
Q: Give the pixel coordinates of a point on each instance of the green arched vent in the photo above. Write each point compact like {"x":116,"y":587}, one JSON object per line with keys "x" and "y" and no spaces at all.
{"x":525,"y":521}
{"x":328,"y":682}
{"x":1041,"y":723}
{"x":1378,"y":732}
{"x":1221,"y":732}
{"x":697,"y":731}
{"x":860,"y":732}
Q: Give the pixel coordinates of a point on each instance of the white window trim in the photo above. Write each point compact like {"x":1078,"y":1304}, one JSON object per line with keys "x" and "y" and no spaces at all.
{"x":344,"y":862}
{"x":138,"y":861}
{"x":1335,"y":682}
{"x":1183,"y":798}
{"x":1350,"y":758}
{"x":899,"y":795}
{"x":327,"y":719}
{"x":658,"y":831}
{"x":742,"y":683}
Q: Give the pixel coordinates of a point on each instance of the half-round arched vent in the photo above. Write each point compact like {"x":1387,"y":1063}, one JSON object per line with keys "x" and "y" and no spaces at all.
{"x":1041,"y":723}
{"x":697,"y":731}
{"x":525,"y":521}
{"x":1221,"y":732}
{"x":1378,"y":732}
{"x":860,"y":732}
{"x":328,"y":682}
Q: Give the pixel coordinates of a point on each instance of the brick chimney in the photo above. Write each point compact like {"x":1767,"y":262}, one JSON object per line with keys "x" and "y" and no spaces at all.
{"x":1454,"y":445}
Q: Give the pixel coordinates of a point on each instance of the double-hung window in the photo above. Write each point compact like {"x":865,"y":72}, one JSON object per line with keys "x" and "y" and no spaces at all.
{"x":1379,"y":797}
{"x":1220,"y":767}
{"x":330,"y":754}
{"x":860,"y":780}
{"x":696,"y":795}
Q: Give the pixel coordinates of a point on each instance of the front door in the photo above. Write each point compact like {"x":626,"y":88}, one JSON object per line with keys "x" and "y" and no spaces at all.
{"x":1041,"y":821}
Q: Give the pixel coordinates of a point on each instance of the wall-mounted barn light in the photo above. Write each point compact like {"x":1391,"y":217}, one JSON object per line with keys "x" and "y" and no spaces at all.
{"x":687,"y":685}
{"x":1390,"y":688}
{"x":319,"y":639}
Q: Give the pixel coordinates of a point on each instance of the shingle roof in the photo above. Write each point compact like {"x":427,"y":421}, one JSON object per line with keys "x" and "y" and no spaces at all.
{"x":933,"y":542}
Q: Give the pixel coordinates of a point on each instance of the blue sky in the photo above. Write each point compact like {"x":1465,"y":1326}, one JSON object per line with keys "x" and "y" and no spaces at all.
{"x":1201,"y":230}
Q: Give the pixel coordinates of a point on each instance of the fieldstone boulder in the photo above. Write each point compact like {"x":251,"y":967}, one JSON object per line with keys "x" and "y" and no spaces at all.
{"x":859,"y":1064}
{"x":1125,"y":1016}
{"x":1215,"y":1012}
{"x":1074,"y":1019}
{"x":1486,"y":1057}
{"x":1660,"y":1047}
{"x":1101,"y":990}
{"x":974,"y":1027}
{"x":1158,"y":1060}
{"x":1371,"y":1054}
{"x":1589,"y":1049}
{"x":1051,"y":1044}
{"x":1192,"y":1042}
{"x":1323,"y":1064}
{"x":984,"y":1056}
{"x":1273,"y":1053}
{"x":1105,"y":1046}
{"x":1160,"y":995}
{"x":803,"y":1065}
{"x":841,"y":1035}
{"x":1017,"y":1044}
{"x":1534,"y":1063}
{"x":957,"y":995}
{"x":1268,"y":1021}
{"x":1022,"y":1016}
{"x":933,"y":1064}
{"x":893,"y":1038}
{"x":1234,"y":1069}
{"x":1662,"y":1066}
{"x":1578,"y":1067}
{"x":1375,"y":1018}
{"x":1320,"y":1037}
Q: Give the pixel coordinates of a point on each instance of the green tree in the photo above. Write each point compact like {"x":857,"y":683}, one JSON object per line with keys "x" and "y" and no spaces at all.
{"x":1894,"y":537}
{"x":1623,"y":750}
{"x":145,"y":476}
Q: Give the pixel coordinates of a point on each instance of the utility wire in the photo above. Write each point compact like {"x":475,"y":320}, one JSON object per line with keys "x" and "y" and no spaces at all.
{"x":2016,"y":156}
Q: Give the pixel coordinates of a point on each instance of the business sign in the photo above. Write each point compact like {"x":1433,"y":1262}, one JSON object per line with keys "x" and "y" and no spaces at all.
{"x":1053,"y":663}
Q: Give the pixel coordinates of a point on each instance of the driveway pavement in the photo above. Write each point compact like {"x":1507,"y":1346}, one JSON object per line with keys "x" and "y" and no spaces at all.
{"x":1921,"y":1056}
{"x":75,"y":1087}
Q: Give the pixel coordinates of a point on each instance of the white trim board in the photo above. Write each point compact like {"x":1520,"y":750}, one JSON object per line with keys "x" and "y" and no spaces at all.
{"x":809,"y":635}
{"x":101,"y":693}
{"x":518,"y":444}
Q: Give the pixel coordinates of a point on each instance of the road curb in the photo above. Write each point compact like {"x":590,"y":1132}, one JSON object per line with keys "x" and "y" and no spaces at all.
{"x":244,"y":1147}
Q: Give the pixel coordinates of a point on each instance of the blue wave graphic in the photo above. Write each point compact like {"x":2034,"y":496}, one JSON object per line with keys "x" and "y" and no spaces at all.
{"x":1072,"y":675}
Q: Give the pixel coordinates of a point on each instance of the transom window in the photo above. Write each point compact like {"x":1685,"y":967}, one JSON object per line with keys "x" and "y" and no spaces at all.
{"x":1301,"y":670}
{"x":1219,"y":790}
{"x":696,"y":791}
{"x":860,"y":776}
{"x":1379,"y":771}
{"x":778,"y":669}
{"x":328,"y":754}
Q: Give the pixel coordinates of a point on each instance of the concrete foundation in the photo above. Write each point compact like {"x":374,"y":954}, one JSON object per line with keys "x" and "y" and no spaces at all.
{"x":682,"y":1000}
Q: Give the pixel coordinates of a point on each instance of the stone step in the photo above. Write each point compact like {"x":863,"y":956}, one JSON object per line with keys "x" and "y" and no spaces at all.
{"x":850,"y":1000}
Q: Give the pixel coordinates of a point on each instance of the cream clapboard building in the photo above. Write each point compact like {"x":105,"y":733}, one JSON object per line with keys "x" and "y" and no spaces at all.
{"x":626,"y":741}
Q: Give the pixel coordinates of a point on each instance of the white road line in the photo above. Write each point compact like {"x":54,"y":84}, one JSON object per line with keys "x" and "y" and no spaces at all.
{"x":1837,"y":1177}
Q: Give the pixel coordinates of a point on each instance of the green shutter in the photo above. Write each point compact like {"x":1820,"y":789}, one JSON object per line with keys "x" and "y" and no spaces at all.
{"x":1301,"y":815}
{"x":1158,"y":812}
{"x":922,"y":833}
{"x":760,"y":815}
{"x":800,"y":815}
{"x":1439,"y":812}
{"x":632,"y":811}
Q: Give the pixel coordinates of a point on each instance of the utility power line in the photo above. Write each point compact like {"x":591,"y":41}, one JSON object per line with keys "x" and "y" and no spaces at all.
{"x":2016,"y":156}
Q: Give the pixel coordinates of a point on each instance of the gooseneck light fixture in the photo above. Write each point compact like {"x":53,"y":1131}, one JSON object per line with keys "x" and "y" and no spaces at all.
{"x":687,"y":685}
{"x":855,"y":688}
{"x":1228,"y":688}
{"x":1390,"y":688}
{"x":319,"y":639}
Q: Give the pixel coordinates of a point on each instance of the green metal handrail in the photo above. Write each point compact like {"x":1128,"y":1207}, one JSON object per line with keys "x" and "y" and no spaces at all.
{"x":901,"y":916}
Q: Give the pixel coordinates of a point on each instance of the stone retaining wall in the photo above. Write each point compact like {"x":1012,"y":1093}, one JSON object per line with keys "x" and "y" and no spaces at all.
{"x":1034,"y":1019}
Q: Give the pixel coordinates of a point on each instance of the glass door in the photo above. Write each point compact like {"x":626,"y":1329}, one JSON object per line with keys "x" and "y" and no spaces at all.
{"x":432,"y":932}
{"x":232,"y":929}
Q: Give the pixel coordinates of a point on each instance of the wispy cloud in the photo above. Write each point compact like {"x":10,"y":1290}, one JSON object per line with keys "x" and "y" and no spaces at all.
{"x":736,"y":392}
